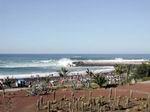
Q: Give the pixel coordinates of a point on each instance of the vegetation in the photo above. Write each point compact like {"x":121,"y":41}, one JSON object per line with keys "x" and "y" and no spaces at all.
{"x":89,"y":73}
{"x":94,"y":104}
{"x":8,"y":82}
{"x":120,"y":69}
{"x":63,"y":72}
{"x":142,"y":71}
{"x":74,"y":85}
{"x":133,"y":71}
{"x":39,"y":89}
{"x":146,"y":79}
{"x":86,"y":83}
{"x":100,"y":80}
{"x":47,"y":79}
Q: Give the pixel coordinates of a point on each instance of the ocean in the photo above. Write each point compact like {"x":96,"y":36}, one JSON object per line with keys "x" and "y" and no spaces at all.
{"x":25,"y":65}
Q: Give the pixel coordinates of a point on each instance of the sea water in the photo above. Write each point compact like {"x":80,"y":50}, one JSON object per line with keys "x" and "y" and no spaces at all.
{"x":25,"y":65}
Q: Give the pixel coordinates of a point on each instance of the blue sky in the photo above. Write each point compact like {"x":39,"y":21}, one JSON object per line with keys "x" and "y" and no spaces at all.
{"x":75,"y":26}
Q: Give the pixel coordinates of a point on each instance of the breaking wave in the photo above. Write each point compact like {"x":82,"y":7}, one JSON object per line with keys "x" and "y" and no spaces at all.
{"x":117,"y":60}
{"x":64,"y":62}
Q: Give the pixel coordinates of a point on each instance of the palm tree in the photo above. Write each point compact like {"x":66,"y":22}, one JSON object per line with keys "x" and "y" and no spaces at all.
{"x":63,"y":72}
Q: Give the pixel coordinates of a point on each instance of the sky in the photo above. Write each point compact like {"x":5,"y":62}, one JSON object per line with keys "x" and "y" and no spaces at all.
{"x":75,"y":26}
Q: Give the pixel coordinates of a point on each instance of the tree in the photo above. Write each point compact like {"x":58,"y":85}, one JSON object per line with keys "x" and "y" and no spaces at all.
{"x":120,"y":69}
{"x":133,"y":71}
{"x":142,"y":70}
{"x":126,"y":70}
{"x":100,"y":80}
{"x":63,"y":72}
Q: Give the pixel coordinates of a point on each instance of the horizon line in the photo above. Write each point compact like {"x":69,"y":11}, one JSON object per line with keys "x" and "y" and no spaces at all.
{"x":75,"y":53}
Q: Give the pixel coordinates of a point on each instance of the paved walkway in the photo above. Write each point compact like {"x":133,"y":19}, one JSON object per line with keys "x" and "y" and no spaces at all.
{"x":145,"y":82}
{"x":18,"y":89}
{"x":13,"y":89}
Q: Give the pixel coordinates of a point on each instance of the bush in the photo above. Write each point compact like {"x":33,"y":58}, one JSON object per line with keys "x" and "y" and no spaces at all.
{"x":47,"y":79}
{"x":86,"y":83}
{"x":8,"y":82}
{"x":100,"y":80}
{"x":133,"y":71}
{"x":142,"y":70}
{"x":39,"y":89}
{"x":63,"y":72}
{"x":94,"y":86}
{"x":146,"y":79}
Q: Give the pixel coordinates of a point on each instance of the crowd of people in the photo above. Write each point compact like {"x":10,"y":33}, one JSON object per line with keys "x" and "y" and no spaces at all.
{"x":54,"y":81}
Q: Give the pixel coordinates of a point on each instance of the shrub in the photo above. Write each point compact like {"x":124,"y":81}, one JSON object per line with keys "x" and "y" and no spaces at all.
{"x":38,"y":89}
{"x":8,"y":82}
{"x":120,"y":69}
{"x":63,"y":72}
{"x":94,"y":85}
{"x":146,"y":79}
{"x":142,"y":70}
{"x":86,"y":83}
{"x":100,"y":80}
{"x":47,"y":79}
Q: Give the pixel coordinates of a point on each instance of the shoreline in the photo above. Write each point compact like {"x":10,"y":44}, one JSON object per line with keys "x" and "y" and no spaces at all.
{"x":53,"y":74}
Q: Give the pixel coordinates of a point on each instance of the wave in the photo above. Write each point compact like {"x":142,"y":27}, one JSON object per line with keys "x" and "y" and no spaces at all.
{"x":117,"y":60}
{"x":63,"y":62}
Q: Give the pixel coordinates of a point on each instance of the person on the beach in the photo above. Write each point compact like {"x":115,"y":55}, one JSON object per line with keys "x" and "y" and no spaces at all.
{"x":62,"y":81}
{"x":51,"y":84}
{"x":1,"y":84}
{"x":30,"y":84}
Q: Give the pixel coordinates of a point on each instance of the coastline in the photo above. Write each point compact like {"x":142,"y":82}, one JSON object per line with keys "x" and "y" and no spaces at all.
{"x":83,"y":63}
{"x":53,"y":74}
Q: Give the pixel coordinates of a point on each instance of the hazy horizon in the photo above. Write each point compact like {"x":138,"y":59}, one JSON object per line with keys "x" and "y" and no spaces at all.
{"x":74,"y":27}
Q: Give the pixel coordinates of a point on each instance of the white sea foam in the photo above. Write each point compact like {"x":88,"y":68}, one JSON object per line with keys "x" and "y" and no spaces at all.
{"x":116,"y":60}
{"x":40,"y":63}
{"x":64,"y":62}
{"x":35,"y":75}
{"x":32,"y":75}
